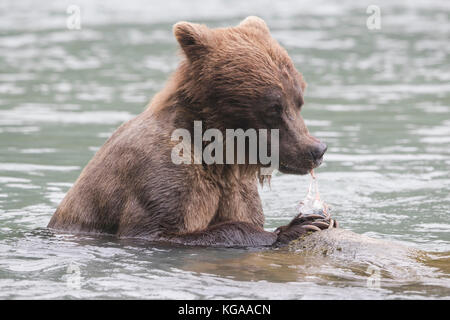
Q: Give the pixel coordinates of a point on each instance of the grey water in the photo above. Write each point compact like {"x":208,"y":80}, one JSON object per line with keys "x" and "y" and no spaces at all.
{"x":380,"y":98}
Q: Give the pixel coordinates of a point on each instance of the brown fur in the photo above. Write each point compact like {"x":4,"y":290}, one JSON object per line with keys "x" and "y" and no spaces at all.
{"x":237,"y":77}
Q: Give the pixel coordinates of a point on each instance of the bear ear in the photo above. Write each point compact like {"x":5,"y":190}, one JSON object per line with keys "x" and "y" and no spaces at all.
{"x":255,"y":22}
{"x":192,"y":37}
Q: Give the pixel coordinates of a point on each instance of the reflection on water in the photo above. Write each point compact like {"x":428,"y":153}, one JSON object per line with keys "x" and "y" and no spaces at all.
{"x":380,"y":99}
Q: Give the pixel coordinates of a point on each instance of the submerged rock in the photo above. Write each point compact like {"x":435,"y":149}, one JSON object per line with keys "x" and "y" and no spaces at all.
{"x":349,"y":245}
{"x":392,"y":259}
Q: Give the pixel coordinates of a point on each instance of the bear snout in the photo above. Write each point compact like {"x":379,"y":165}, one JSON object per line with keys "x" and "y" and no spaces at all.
{"x":317,"y":151}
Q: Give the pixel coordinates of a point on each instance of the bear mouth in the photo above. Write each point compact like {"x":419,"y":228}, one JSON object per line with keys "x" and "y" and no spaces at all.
{"x":288,"y":169}
{"x":293,"y":169}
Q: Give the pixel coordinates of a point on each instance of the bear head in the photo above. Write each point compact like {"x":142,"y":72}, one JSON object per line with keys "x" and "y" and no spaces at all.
{"x":240,"y":77}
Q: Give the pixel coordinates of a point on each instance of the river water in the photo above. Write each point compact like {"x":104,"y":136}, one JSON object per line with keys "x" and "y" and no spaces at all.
{"x":379,"y":98}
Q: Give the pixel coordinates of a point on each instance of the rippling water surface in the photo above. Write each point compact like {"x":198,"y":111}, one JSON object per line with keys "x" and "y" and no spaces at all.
{"x":380,"y":99}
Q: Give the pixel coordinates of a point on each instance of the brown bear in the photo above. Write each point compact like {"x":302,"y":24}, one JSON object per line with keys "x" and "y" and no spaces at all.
{"x":237,"y":77}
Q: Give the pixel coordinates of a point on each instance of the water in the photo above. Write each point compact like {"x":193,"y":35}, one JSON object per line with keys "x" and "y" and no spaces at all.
{"x":380,"y":99}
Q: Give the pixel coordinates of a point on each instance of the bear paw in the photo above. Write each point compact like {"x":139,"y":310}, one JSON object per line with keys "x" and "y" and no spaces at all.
{"x":301,"y":225}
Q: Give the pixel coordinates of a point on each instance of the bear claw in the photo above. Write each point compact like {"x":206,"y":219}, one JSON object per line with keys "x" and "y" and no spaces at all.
{"x":311,"y":227}
{"x":303,"y":224}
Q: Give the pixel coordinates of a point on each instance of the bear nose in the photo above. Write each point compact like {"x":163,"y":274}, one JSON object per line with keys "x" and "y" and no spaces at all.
{"x":318,"y":151}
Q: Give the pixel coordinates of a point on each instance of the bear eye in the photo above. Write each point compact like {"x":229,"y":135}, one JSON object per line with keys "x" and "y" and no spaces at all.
{"x":273,"y":102}
{"x":276,"y":106}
